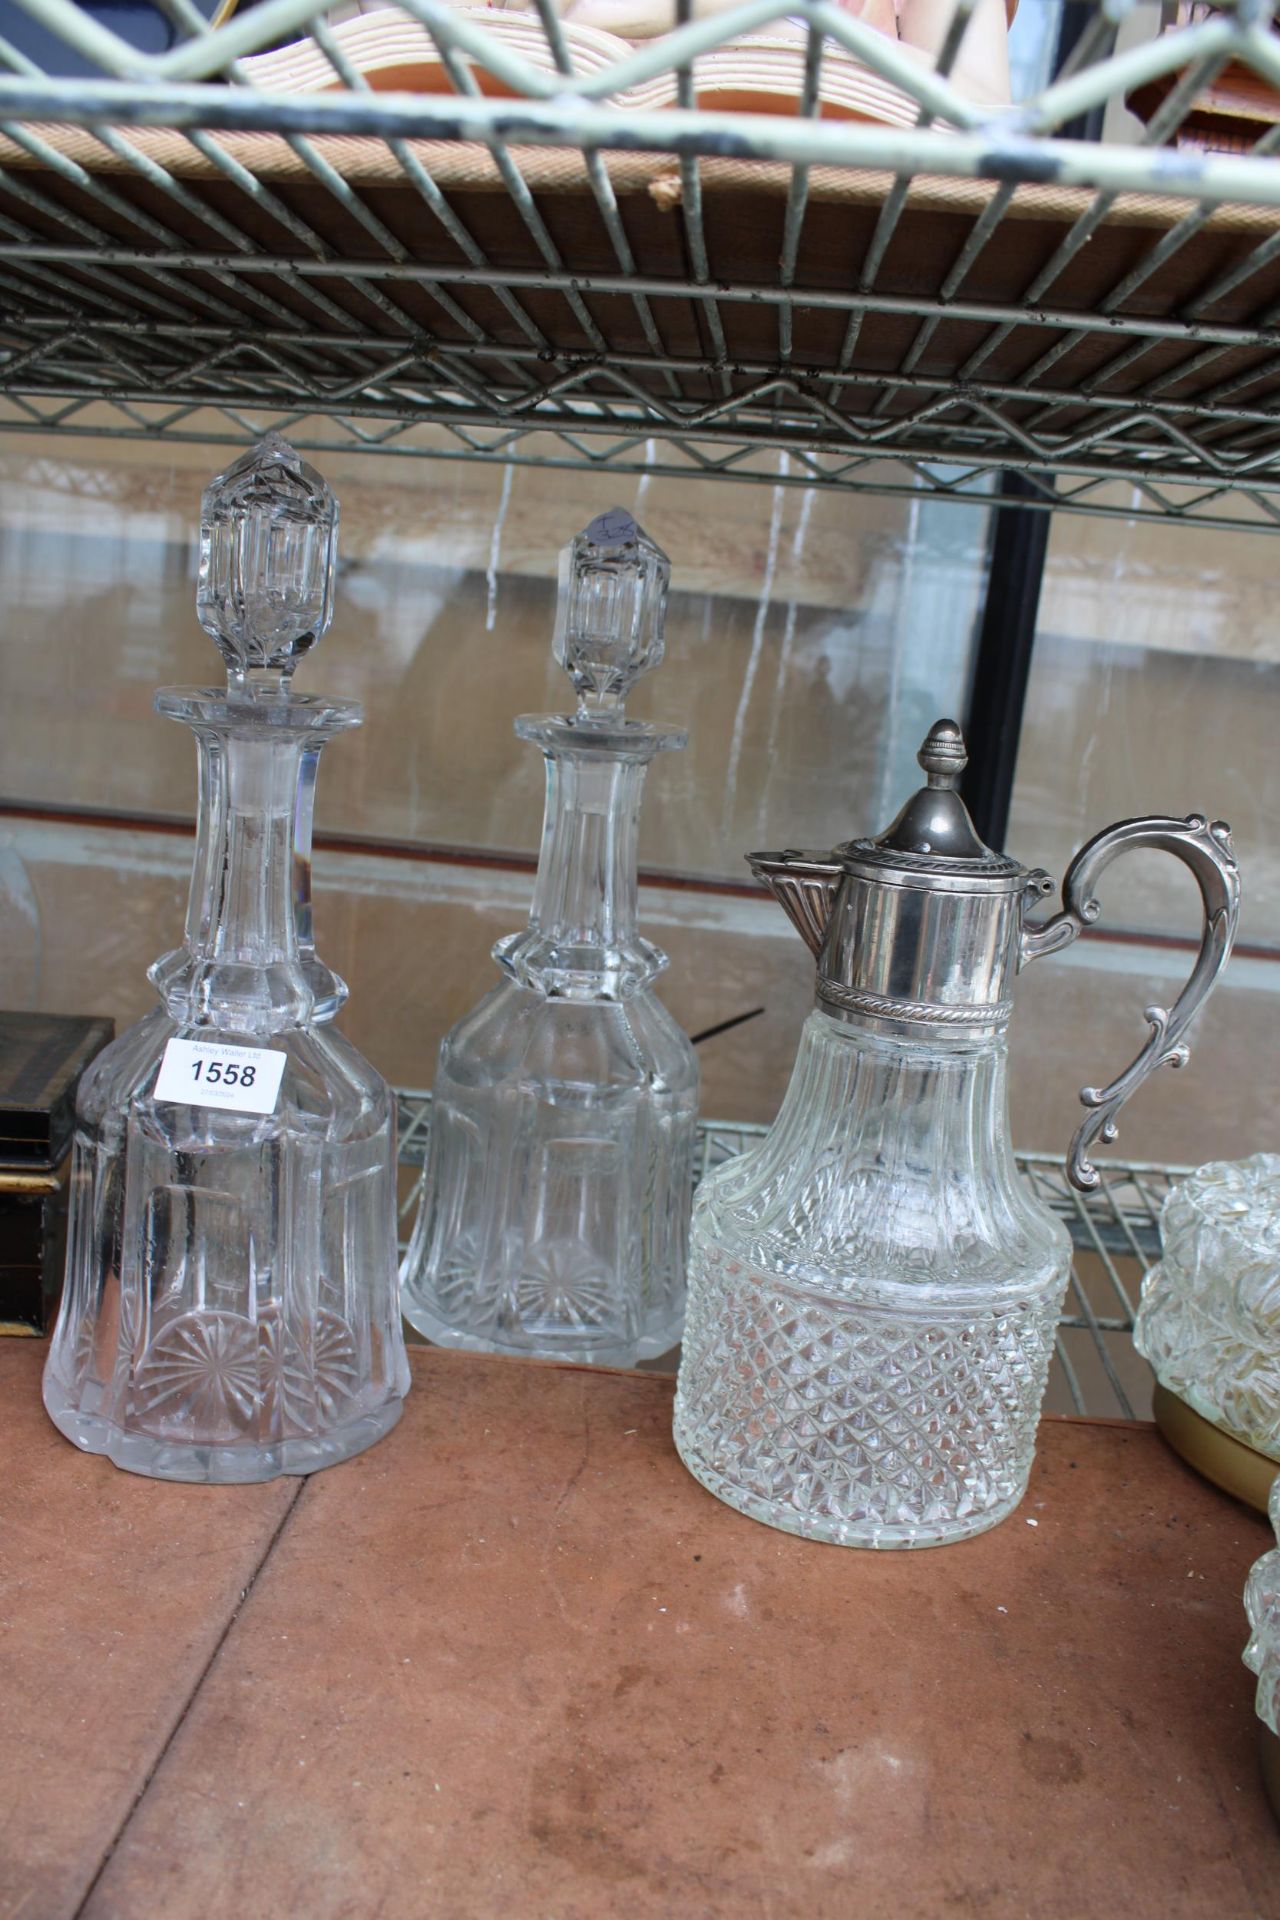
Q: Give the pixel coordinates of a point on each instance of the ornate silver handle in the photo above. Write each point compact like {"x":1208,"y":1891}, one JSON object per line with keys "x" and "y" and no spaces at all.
{"x":1207,"y":850}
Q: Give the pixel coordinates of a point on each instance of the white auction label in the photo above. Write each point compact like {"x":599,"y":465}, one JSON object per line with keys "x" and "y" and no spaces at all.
{"x":209,"y":1073}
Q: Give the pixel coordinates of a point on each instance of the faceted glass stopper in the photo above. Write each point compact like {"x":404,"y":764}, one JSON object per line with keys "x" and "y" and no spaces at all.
{"x":268,"y":542}
{"x":613,"y":603}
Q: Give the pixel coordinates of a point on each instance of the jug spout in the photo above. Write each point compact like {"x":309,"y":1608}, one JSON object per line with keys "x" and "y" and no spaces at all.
{"x":804,"y":885}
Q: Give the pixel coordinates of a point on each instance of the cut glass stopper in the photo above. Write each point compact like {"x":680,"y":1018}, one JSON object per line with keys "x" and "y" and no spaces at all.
{"x":268,"y":542}
{"x":613,"y":603}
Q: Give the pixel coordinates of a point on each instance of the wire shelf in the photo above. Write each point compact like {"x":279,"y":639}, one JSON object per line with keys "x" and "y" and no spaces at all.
{"x":1115,"y":1233}
{"x":522,"y":265}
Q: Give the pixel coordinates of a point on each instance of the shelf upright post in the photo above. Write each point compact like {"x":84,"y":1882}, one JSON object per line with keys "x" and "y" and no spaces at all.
{"x":1019,"y":544}
{"x":1002,"y":662}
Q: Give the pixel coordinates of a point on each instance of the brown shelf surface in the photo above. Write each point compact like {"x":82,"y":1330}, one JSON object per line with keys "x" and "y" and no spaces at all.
{"x":514,"y":1660}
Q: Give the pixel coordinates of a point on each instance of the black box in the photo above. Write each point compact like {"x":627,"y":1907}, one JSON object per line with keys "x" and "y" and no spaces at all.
{"x":42,"y":1056}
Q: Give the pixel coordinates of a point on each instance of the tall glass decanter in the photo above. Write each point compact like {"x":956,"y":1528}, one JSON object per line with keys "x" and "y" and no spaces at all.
{"x":873,"y":1290}
{"x":555,"y":1209}
{"x":230,"y":1308}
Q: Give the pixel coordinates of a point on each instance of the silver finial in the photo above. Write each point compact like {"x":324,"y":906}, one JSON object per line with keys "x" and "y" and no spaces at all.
{"x":943,"y":755}
{"x":935,"y":821}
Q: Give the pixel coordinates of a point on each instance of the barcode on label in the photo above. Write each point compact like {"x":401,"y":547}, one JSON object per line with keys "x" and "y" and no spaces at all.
{"x":208,"y":1073}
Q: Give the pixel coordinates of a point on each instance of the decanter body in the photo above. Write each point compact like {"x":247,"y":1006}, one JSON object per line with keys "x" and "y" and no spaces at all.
{"x":555,"y":1208}
{"x":873,"y":1297}
{"x":873,"y":1291}
{"x":230,"y":1306}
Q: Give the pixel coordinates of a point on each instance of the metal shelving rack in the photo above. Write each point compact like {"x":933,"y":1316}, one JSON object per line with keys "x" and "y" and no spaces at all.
{"x":521,"y":268}
{"x":1115,"y":1232}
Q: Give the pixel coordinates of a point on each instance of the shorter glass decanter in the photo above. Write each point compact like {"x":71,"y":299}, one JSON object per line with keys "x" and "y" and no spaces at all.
{"x":555,"y":1208}
{"x":230,"y":1308}
{"x":873,"y":1289}
{"x":1209,"y":1321}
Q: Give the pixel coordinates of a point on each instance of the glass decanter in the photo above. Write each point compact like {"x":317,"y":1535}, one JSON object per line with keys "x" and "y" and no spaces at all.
{"x":873,"y":1290}
{"x":230,"y":1308}
{"x":555,"y":1208}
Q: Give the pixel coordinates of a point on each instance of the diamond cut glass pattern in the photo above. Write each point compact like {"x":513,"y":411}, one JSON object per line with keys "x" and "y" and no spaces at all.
{"x":926,"y":1413}
{"x":873,"y":1298}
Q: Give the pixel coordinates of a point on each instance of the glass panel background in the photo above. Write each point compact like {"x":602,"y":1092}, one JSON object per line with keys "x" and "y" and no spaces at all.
{"x":810,"y":641}
{"x":1155,"y":687}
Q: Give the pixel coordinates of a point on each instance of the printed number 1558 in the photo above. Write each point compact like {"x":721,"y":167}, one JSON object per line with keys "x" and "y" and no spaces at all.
{"x":224,"y":1072}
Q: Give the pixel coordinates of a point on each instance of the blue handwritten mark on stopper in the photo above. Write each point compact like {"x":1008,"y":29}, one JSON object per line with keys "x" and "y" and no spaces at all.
{"x":615,"y":527}
{"x":612,"y":602}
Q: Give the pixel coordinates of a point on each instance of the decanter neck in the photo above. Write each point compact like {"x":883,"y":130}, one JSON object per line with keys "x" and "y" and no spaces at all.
{"x":328,"y":988}
{"x":248,"y":963}
{"x":581,"y":941}
{"x":585,"y":892}
{"x":924,"y":1114}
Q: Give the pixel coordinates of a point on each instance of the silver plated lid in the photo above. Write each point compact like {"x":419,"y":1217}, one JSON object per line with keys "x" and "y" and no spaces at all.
{"x":917,"y":928}
{"x":933,"y":841}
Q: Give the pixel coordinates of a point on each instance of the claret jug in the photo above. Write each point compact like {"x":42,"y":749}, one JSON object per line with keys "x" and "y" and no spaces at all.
{"x":873,"y":1289}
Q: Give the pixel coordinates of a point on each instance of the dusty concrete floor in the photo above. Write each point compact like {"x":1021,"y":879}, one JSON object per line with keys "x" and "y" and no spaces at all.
{"x":515,"y":1659}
